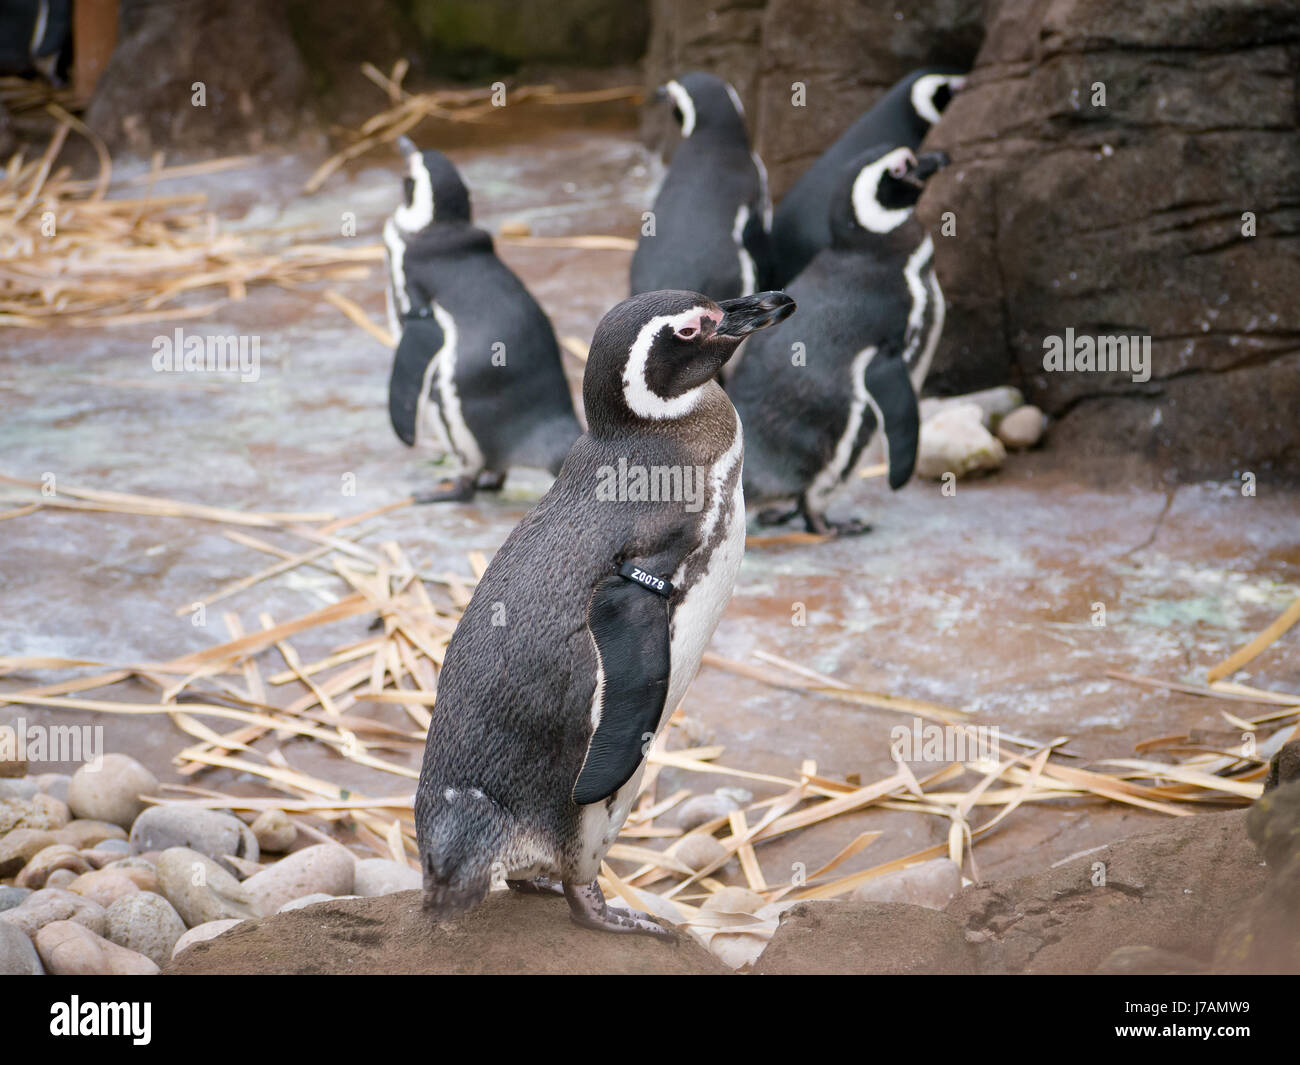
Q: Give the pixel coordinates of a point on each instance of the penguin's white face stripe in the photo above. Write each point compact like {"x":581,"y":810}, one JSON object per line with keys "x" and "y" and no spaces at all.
{"x":419,"y":213}
{"x":644,"y":401}
{"x":870,"y":213}
{"x":923,"y":90}
{"x":682,"y":99}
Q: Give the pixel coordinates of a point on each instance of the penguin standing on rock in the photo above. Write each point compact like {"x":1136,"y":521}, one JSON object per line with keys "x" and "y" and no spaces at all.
{"x":712,"y":213}
{"x":812,"y":394}
{"x":590,"y":622}
{"x":901,"y":118}
{"x":477,"y":371}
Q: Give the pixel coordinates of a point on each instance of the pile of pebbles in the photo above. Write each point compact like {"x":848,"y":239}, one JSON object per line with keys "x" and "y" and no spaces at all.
{"x":95,"y":882}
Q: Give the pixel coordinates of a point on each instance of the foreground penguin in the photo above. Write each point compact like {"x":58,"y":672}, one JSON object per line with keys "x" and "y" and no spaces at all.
{"x":591,"y":620}
{"x":901,"y":118}
{"x":712,"y":212}
{"x":477,"y":370}
{"x":811,"y":394}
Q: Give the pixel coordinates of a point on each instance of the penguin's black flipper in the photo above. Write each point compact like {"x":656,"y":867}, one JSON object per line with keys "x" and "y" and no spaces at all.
{"x":894,"y":400}
{"x":630,"y":626}
{"x":422,"y":340}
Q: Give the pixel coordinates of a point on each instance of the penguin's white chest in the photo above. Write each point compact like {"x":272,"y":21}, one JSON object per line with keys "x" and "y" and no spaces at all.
{"x":700,"y":610}
{"x":692,"y":626}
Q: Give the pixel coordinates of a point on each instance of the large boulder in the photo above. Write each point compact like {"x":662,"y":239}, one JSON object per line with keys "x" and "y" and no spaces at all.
{"x":1125,"y":218}
{"x":255,"y":84}
{"x":846,"y":54}
{"x":508,"y":933}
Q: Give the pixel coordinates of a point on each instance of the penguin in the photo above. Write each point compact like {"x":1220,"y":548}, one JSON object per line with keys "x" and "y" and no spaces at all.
{"x":901,"y":118}
{"x":590,"y":622}
{"x":477,"y":370}
{"x":812,"y":394}
{"x":712,"y":212}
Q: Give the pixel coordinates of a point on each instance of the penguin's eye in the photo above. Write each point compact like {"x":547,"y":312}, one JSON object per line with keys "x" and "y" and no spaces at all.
{"x":677,"y":114}
{"x":899,"y":166}
{"x":408,"y":189}
{"x":688,"y":332}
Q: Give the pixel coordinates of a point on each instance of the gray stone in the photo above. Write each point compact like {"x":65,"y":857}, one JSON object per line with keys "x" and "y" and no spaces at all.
{"x":20,"y":846}
{"x":932,"y":884}
{"x":1022,"y":428}
{"x":18,"y":955}
{"x":206,"y":831}
{"x":12,"y":896}
{"x":54,"y":904}
{"x":21,"y":813}
{"x":87,"y":834}
{"x":955,"y":441}
{"x":383,"y":876}
{"x":700,"y":809}
{"x":994,"y":404}
{"x":326,"y":867}
{"x":698,"y":850}
{"x":44,"y":862}
{"x":203,"y":932}
{"x":20,"y":788}
{"x":146,"y":923}
{"x":56,"y":784}
{"x":274,"y":831}
{"x":200,"y":889}
{"x":69,"y":949}
{"x":111,"y":791}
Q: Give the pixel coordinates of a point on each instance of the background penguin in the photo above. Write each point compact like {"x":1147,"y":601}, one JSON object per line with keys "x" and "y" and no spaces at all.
{"x":900,"y":118}
{"x":871,"y":309}
{"x":477,"y":371}
{"x":591,"y":620}
{"x":712,"y":213}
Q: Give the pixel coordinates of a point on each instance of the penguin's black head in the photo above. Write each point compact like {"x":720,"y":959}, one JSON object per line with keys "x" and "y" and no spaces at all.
{"x":704,"y":102}
{"x":432,"y":190}
{"x":929,"y":92}
{"x":878,"y":190}
{"x":655,"y":356}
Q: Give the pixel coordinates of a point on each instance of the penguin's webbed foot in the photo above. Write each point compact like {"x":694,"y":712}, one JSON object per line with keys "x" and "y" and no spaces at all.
{"x":490,"y":481}
{"x":777,"y":515}
{"x":537,"y":885}
{"x":588,"y":908}
{"x":823,"y":526}
{"x":456,"y":490}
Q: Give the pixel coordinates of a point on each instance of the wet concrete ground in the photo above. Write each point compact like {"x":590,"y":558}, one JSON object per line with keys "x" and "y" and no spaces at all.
{"x":982,"y":600}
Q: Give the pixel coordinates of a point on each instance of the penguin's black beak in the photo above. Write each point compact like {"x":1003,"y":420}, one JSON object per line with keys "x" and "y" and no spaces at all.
{"x":893,"y":400}
{"x":406,"y":146}
{"x":926,"y":167}
{"x":660,"y":95}
{"x":748,"y":314}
